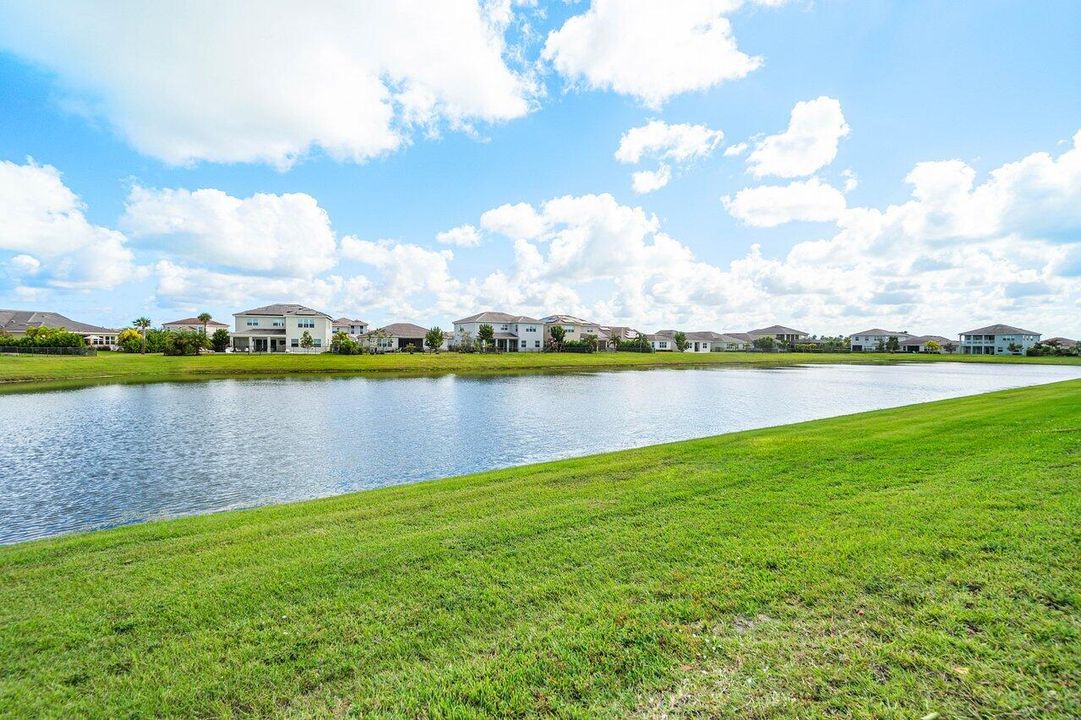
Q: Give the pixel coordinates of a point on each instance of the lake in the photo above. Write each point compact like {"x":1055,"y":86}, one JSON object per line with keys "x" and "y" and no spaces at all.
{"x":115,"y":454}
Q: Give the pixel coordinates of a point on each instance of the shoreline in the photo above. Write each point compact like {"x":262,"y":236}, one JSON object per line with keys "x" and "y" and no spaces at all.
{"x":599,"y":583}
{"x":23,"y":373}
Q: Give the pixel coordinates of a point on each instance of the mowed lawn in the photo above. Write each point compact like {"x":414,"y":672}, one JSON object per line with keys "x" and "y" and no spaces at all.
{"x":16,"y":370}
{"x":891,"y":564}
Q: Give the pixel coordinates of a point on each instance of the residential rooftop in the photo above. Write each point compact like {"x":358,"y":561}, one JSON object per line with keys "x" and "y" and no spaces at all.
{"x":491,"y":316}
{"x":776,"y":330}
{"x":1000,"y":330}
{"x":17,"y":321}
{"x":284,"y":309}
{"x":196,"y":322}
{"x":880,"y":331}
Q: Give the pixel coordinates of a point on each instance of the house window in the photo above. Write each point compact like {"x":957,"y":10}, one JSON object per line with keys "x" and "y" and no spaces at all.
{"x":305,"y":323}
{"x":252,"y":322}
{"x":318,"y":342}
{"x":278,"y":323}
{"x":536,"y":343}
{"x":523,"y":343}
{"x":295,"y":342}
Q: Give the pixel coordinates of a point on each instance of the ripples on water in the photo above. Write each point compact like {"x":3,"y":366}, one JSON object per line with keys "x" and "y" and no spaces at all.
{"x":115,"y":454}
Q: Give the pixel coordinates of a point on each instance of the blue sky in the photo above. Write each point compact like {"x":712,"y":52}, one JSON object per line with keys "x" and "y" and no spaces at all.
{"x":908,"y":164}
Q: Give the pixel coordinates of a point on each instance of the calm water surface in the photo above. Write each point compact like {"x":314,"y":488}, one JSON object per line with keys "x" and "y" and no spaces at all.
{"x":116,"y":454}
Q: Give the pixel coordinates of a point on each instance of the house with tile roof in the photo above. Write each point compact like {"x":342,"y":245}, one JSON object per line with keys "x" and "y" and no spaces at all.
{"x":875,"y":339}
{"x":397,"y":337}
{"x":15,"y":323}
{"x":512,"y":333}
{"x":918,"y":344}
{"x":998,"y":340}
{"x":195,"y":324}
{"x":784,"y":337}
{"x":280,"y":328}
{"x":350,"y":326}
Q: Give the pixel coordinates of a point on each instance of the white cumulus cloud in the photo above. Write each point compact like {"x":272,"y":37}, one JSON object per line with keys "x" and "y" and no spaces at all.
{"x":770,"y":205}
{"x":462,"y":236}
{"x":43,"y":223}
{"x":650,"y":49}
{"x":676,"y":144}
{"x":814,"y":130}
{"x":270,"y":81}
{"x":286,"y":234}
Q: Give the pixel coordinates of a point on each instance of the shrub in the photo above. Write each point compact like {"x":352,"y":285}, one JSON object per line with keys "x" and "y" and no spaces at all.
{"x":187,"y":342}
{"x":640,"y":345}
{"x":578,"y":346}
{"x":220,"y":340}
{"x":44,"y":337}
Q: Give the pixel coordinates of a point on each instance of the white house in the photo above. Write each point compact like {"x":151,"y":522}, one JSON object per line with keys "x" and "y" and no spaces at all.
{"x":512,"y":333}
{"x":874,"y":339}
{"x":998,"y":340}
{"x":397,"y":337}
{"x":575,"y":328}
{"x":783,"y":336}
{"x":919,"y":344}
{"x":662,"y":340}
{"x":195,"y":324}
{"x":15,"y":323}
{"x":281,"y":328}
{"x":349,"y":326}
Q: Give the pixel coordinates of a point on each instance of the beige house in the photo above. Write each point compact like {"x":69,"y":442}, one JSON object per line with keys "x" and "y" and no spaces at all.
{"x":782,"y":336}
{"x":511,"y":333}
{"x":575,"y":328}
{"x":195,"y":324}
{"x":281,"y":328}
{"x":352,"y":327}
{"x":15,"y":323}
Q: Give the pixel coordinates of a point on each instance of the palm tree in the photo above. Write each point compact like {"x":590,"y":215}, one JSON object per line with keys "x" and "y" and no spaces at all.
{"x":143,"y":323}
{"x":204,"y":318}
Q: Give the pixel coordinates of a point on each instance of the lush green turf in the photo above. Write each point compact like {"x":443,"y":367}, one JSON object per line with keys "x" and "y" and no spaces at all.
{"x":890,"y":564}
{"x":120,"y":367}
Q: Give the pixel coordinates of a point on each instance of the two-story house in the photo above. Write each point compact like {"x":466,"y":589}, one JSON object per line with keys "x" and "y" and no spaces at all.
{"x":997,"y":340}
{"x":280,"y":328}
{"x":194,"y":324}
{"x":575,"y":328}
{"x":875,"y":339}
{"x":782,"y":336}
{"x":512,"y":333}
{"x":349,"y":326}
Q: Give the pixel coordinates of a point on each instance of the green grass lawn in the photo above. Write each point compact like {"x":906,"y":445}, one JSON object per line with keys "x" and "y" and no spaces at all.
{"x":121,"y":367}
{"x":890,"y":564}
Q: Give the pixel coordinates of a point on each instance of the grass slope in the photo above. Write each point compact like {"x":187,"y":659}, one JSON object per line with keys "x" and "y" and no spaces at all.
{"x":120,"y":367}
{"x":889,"y":564}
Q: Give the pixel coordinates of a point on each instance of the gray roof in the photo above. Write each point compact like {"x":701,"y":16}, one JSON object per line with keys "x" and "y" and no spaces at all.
{"x":566,"y":320}
{"x":742,"y":337}
{"x":776,"y":330}
{"x":999,"y":330}
{"x":924,"y":339}
{"x":16,"y":321}
{"x":406,"y":330}
{"x":491,"y":316}
{"x":879,"y":331}
{"x":284,"y":309}
{"x":196,"y":322}
{"x":347,"y":321}
{"x":1062,"y":341}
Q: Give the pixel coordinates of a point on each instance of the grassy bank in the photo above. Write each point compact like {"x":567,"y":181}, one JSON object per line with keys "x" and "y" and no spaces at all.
{"x":120,"y":367}
{"x":890,"y":564}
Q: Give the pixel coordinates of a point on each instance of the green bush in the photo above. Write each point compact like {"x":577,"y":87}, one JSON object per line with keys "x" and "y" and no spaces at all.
{"x":219,"y":341}
{"x":44,"y":337}
{"x":187,"y":342}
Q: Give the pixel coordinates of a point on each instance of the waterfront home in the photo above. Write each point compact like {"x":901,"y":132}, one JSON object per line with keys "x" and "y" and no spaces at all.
{"x":875,"y":339}
{"x":998,"y":340}
{"x":918,"y":344}
{"x":397,"y":337}
{"x":194,"y":324}
{"x":783,"y":336}
{"x":662,"y":340}
{"x":15,"y":323}
{"x":576,"y":328}
{"x":511,"y":333}
{"x":351,"y":327}
{"x":1064,"y":343}
{"x":608,"y":333}
{"x":280,"y":328}
{"x":734,"y":342}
